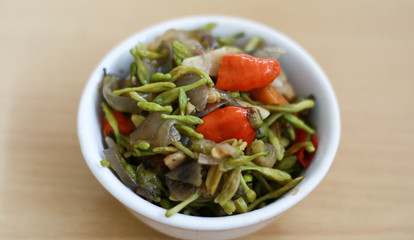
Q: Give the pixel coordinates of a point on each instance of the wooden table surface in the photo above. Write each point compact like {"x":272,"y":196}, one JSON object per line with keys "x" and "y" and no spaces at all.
{"x":48,"y":49}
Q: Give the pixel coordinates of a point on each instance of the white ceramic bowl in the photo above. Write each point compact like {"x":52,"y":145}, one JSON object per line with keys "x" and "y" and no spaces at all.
{"x":303,"y":72}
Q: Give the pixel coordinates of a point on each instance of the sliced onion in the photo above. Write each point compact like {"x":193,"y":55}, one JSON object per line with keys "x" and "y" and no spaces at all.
{"x":148,"y":184}
{"x":198,"y":96}
{"x":111,"y":143}
{"x":179,"y":191}
{"x":207,"y":39}
{"x":187,"y":173}
{"x":156,"y":131}
{"x":115,"y":162}
{"x":166,"y":64}
{"x":119,"y":103}
{"x":283,"y":86}
{"x":203,"y":145}
{"x":167,"y":133}
{"x":209,"y":108}
{"x":194,"y":40}
{"x":210,"y":61}
{"x":207,"y":160}
{"x":114,"y":158}
{"x":151,"y":65}
{"x":227,"y":96}
{"x":270,"y":159}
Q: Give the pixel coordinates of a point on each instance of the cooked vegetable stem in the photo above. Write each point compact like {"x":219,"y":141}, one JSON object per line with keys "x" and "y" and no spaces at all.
{"x":231,"y":163}
{"x":151,"y":87}
{"x":208,"y":26}
{"x":111,"y":119}
{"x":171,"y":95}
{"x":153,"y":107}
{"x":137,"y":119}
{"x":295,"y":121}
{"x":275,"y":142}
{"x":250,"y":194}
{"x":292,"y":108}
{"x":213,"y":178}
{"x":185,"y":150}
{"x":105,"y":163}
{"x":137,"y":97}
{"x":241,"y":205}
{"x":185,"y":119}
{"x":229,"y":187}
{"x":183,"y":70}
{"x":287,"y":163}
{"x":247,"y":98}
{"x":132,"y":73}
{"x":164,"y":150}
{"x":142,"y":70}
{"x":229,"y":207}
{"x":143,"y":145}
{"x":291,"y":133}
{"x":272,"y":118}
{"x":177,"y":208}
{"x":225,"y":41}
{"x":182,"y":101}
{"x":181,"y":52}
{"x":308,"y":145}
{"x":277,"y":193}
{"x":189,"y":131}
{"x":144,"y":52}
{"x":271,"y":173}
{"x":160,"y":77}
{"x":253,"y":44}
{"x":262,"y":182}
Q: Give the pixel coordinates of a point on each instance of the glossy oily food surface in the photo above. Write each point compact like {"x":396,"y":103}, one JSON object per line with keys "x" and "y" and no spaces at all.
{"x":48,"y":192}
{"x":183,"y":122}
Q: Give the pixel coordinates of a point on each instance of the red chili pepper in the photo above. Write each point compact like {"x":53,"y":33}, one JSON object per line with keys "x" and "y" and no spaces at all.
{"x":125,"y":124}
{"x":227,"y":123}
{"x":300,"y":135}
{"x":305,"y":159}
{"x":242,"y":72}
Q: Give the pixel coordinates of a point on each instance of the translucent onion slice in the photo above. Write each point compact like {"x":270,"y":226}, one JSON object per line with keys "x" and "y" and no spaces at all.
{"x":187,"y":173}
{"x":179,"y":191}
{"x":209,"y":108}
{"x":196,"y":41}
{"x":114,"y":160}
{"x":207,"y":160}
{"x":148,"y":184}
{"x":227,"y":96}
{"x":198,"y":96}
{"x":119,"y":103}
{"x":270,"y":159}
{"x":156,"y":131}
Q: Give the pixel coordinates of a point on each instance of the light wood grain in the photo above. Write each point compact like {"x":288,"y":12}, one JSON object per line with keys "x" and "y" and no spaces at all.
{"x":49,"y":48}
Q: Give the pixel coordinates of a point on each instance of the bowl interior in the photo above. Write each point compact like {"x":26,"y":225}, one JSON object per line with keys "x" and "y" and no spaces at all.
{"x":303,"y":72}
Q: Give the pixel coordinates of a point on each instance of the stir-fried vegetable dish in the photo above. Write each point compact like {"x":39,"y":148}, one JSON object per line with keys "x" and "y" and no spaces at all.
{"x":206,"y":125}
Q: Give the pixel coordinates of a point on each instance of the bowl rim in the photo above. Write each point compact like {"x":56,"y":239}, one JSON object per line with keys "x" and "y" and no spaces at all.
{"x":149,"y":210}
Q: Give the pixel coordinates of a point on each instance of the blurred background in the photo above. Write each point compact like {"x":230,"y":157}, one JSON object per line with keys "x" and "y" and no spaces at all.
{"x":48,"y":49}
